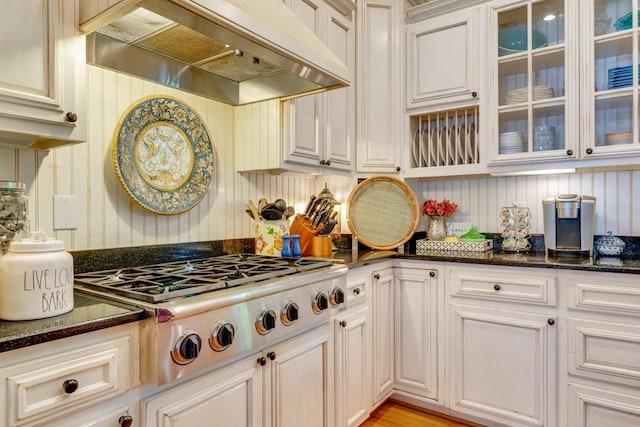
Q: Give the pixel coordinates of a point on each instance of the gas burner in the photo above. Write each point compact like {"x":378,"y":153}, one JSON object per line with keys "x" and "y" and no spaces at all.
{"x":164,"y":282}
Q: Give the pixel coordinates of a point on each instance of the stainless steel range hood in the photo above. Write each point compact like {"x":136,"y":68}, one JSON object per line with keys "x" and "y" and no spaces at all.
{"x":234,"y":51}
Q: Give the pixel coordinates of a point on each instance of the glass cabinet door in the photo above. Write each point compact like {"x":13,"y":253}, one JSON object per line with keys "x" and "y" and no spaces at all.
{"x":613,"y":41}
{"x":530,"y":75}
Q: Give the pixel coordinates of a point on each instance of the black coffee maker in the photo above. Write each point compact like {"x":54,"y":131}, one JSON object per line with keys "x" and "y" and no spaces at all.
{"x":569,"y":222}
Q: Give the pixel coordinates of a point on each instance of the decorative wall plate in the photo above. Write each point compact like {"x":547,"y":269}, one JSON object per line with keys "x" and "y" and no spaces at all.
{"x":163,"y":155}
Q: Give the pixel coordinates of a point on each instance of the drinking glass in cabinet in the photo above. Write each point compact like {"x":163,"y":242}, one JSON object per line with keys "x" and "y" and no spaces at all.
{"x":548,"y":127}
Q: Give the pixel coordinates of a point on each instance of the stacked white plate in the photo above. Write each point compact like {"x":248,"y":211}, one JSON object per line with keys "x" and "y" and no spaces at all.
{"x":521,"y":95}
{"x":511,"y":142}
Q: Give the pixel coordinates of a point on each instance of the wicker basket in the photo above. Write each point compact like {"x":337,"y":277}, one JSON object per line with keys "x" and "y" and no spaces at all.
{"x":432,"y":247}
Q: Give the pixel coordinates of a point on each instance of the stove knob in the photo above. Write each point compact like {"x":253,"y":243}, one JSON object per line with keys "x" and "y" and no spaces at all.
{"x":337,"y":297}
{"x":222,"y":336}
{"x":289,"y":313}
{"x":266,"y":321}
{"x":187,"y":347}
{"x":319,"y":303}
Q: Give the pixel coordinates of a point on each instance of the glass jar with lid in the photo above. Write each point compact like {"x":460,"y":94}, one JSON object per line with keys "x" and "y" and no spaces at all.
{"x":14,"y":208}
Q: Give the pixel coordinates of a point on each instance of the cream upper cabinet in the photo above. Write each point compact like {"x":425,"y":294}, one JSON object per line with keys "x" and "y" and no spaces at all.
{"x":312,"y":133}
{"x":319,"y":130}
{"x":442,"y":59}
{"x":446,"y":89}
{"x":535,"y":76}
{"x":379,"y":86}
{"x":42,"y":78}
{"x":610,"y":60}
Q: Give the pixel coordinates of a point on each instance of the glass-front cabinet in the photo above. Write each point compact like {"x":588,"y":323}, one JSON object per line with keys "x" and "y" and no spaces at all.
{"x":611,"y":79}
{"x":535,"y":80}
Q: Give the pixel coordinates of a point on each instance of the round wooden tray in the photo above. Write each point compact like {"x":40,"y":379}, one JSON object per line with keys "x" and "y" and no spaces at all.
{"x":382,"y":212}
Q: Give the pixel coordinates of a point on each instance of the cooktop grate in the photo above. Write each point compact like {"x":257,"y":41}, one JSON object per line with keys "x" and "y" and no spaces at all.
{"x":163,"y":282}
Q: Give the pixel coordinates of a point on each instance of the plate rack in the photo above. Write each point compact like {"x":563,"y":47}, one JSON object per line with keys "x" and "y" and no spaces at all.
{"x":445,"y":138}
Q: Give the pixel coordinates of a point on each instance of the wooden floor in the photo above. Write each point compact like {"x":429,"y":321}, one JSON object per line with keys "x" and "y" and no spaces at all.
{"x":393,"y":414}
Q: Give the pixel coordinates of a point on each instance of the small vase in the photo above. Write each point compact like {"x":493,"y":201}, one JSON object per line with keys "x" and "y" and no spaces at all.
{"x":437,"y":228}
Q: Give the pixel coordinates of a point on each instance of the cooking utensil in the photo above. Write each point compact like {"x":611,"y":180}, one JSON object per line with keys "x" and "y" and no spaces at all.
{"x":289,"y":212}
{"x":307,"y":209}
{"x":271,"y":214}
{"x":280,"y":204}
{"x":254,"y":210}
{"x":262,"y":203}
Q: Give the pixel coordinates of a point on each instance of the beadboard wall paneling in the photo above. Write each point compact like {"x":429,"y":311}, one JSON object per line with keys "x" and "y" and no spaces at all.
{"x":106,"y":215}
{"x":617,"y":198}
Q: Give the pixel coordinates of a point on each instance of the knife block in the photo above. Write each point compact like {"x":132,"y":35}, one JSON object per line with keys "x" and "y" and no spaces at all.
{"x":302,"y":226}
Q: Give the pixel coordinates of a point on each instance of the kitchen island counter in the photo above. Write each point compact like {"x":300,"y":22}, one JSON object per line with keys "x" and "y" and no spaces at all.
{"x":89,"y":314}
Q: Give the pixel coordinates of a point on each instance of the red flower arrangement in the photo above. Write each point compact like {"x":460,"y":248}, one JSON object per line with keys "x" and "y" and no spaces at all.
{"x":443,"y":209}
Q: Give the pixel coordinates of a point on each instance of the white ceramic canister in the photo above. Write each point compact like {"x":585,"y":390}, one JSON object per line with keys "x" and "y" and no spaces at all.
{"x":36,"y":279}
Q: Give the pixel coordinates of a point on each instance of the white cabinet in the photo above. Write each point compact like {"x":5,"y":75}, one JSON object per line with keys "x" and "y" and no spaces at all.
{"x":443,"y":57}
{"x":535,"y":76}
{"x":609,"y":52}
{"x":313,"y":133}
{"x":319,"y":130}
{"x":503,"y":356}
{"x":445,"y":82}
{"x":603,"y":348}
{"x":353,"y":352}
{"x":232,"y":396}
{"x":503,"y":365}
{"x":42,"y":78}
{"x":379,"y":86}
{"x":353,"y":367}
{"x":419,"y":330}
{"x":383,"y":321}
{"x":288,"y":386}
{"x":52,"y":383}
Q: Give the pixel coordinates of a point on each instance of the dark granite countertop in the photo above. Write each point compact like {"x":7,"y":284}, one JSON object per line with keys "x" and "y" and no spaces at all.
{"x":89,"y":314}
{"x":358,"y":258}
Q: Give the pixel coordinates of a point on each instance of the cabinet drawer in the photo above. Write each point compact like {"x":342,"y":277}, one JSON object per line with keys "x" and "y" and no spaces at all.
{"x":604,"y":292}
{"x":508,"y":284}
{"x":66,"y":381}
{"x":604,"y":350}
{"x":358,"y":287}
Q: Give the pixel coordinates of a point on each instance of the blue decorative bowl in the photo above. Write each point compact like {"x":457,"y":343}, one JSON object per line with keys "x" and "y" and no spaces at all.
{"x":513,"y":40}
{"x":624,"y":22}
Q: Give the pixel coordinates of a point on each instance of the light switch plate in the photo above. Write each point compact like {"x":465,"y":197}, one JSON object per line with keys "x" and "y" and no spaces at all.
{"x":64,"y":213}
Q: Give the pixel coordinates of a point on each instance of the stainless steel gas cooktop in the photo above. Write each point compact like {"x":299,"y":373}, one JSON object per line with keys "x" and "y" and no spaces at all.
{"x":168,"y":281}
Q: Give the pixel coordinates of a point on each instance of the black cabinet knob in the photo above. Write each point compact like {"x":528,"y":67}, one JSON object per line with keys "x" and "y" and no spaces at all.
{"x":271,"y":355}
{"x":551,"y":322}
{"x":262,"y":361}
{"x":589,"y":150}
{"x":356,"y":291}
{"x":322,"y":162}
{"x":474,"y":94}
{"x":398,"y":168}
{"x":125,"y":421}
{"x":328,"y":163}
{"x":497,"y":287}
{"x":376,"y":276}
{"x":71,"y":117}
{"x":70,"y":386}
{"x":569,"y":152}
{"x":432,"y":274}
{"x":343,"y":323}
